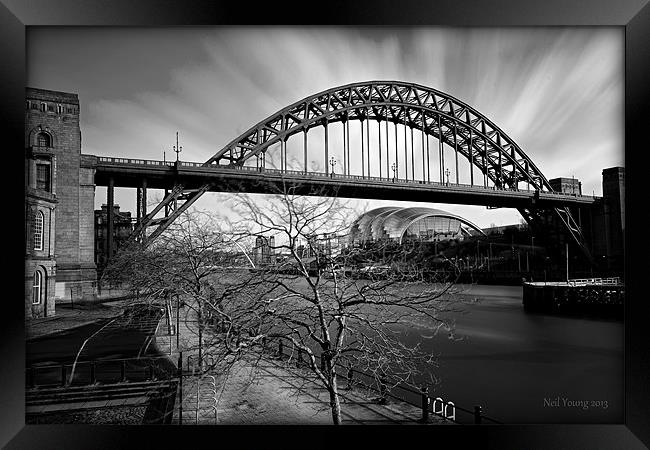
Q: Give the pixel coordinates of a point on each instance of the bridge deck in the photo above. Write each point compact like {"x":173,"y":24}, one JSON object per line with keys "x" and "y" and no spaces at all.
{"x":163,"y":175}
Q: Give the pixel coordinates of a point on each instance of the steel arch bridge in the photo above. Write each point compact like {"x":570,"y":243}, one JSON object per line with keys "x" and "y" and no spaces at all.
{"x":453,"y":124}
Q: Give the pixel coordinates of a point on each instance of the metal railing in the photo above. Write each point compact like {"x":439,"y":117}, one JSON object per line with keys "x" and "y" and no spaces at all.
{"x":614,"y":281}
{"x":311,"y":174}
{"x":99,"y":371}
{"x":387,"y":388}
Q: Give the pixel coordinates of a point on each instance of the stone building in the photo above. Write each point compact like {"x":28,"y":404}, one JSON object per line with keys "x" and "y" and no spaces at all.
{"x":566,"y":185}
{"x":264,"y":251}
{"x":122,"y":228}
{"x":40,"y":210}
{"x":59,"y":203}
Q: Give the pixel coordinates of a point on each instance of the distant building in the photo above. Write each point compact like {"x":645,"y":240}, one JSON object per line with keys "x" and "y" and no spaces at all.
{"x":410,"y":224}
{"x":264,"y":251}
{"x":566,"y":185}
{"x":122,"y":228}
{"x":501,"y":229}
{"x":328,"y":244}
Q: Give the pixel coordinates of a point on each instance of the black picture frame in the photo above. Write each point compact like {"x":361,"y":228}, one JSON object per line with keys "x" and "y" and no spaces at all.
{"x":16,"y":15}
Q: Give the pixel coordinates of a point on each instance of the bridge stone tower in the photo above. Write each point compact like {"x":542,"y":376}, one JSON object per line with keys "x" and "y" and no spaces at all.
{"x":614,"y":214}
{"x":52,"y":130}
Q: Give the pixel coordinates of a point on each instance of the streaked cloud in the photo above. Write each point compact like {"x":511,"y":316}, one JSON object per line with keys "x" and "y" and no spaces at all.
{"x":558,"y":92}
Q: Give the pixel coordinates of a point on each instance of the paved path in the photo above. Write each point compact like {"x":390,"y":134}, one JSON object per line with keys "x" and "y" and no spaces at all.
{"x":269,"y":391}
{"x":273,"y":392}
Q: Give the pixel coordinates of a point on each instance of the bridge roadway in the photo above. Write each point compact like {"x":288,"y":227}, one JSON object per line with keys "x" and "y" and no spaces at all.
{"x":164,"y":175}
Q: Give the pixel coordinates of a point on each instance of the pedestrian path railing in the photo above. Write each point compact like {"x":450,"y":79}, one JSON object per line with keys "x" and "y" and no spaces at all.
{"x":387,"y":388}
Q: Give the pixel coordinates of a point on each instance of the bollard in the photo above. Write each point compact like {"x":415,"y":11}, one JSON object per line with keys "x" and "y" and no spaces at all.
{"x":425,"y":403}
{"x":350,"y":378}
{"x":63,"y":382}
{"x":93,"y":373}
{"x":451,"y":416}
{"x":477,"y":414}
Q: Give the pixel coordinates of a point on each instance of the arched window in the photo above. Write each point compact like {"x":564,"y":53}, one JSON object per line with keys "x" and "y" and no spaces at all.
{"x":37,"y":288}
{"x":39,"y":219}
{"x":43,"y":140}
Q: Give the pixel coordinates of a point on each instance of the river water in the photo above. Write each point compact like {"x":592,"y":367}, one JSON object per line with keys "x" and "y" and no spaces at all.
{"x":528,"y":368}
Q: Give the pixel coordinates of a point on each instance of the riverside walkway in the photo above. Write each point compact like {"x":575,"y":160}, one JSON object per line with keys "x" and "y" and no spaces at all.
{"x":270,"y":391}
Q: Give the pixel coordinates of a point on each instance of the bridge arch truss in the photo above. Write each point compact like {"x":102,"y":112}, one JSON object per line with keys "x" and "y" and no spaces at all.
{"x":421,"y":109}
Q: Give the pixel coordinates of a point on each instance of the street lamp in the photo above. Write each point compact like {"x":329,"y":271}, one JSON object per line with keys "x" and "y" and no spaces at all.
{"x":394,"y":167}
{"x":332,"y":163}
{"x":447,"y":173}
{"x":177,"y":148}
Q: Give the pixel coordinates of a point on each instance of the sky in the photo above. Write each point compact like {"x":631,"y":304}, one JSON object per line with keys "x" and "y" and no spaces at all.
{"x":556,"y":91}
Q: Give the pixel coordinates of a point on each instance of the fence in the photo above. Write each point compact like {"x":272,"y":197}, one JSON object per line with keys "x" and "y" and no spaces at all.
{"x":387,"y":388}
{"x":99,"y":371}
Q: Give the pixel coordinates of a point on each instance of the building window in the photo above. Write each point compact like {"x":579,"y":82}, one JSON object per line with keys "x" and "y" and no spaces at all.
{"x":43,"y":107}
{"x":39,"y":219}
{"x":43,"y":177}
{"x":37,"y":288}
{"x":43,"y":140}
{"x":59,"y":109}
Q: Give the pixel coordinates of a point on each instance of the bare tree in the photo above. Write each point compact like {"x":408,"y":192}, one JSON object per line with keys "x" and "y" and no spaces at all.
{"x":311,"y":297}
{"x":342,"y":307}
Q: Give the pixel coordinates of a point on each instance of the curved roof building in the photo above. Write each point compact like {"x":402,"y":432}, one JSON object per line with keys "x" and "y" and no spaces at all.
{"x":421,"y":224}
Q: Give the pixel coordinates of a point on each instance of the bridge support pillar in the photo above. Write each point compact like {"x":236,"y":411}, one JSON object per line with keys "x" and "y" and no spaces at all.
{"x":141,"y":206}
{"x":110,"y":216}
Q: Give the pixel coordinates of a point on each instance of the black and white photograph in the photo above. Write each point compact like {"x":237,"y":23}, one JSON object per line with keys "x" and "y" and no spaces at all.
{"x":325,"y":225}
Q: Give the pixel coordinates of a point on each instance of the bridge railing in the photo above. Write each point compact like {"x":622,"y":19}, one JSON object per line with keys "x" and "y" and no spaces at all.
{"x":137,"y":162}
{"x":339,"y":176}
{"x":614,"y":281}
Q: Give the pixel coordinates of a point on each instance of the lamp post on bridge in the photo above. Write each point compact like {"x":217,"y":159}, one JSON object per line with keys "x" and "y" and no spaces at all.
{"x":332,"y":163}
{"x":447,"y":173}
{"x":394,"y":167}
{"x":177,"y":148}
